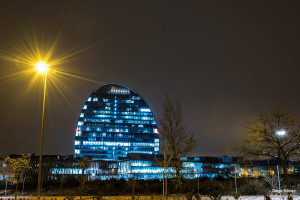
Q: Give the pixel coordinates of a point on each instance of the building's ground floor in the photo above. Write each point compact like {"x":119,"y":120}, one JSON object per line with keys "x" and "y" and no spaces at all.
{"x":145,"y":167}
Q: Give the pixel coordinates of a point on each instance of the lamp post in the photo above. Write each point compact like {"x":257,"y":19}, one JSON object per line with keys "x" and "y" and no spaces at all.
{"x":235,"y":176}
{"x":235,"y":179}
{"x":42,"y":68}
{"x":198,"y":180}
{"x":280,"y":133}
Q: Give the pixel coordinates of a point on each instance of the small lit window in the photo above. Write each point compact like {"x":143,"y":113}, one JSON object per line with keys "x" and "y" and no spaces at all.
{"x":78,"y":133}
{"x":77,"y":142}
{"x":80,"y":123}
{"x":89,"y":99}
{"x":95,"y":99}
{"x":145,"y":110}
{"x":85,"y":107}
{"x":81,"y":114}
{"x":77,"y":151}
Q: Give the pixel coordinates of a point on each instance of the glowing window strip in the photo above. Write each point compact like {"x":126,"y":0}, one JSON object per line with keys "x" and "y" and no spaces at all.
{"x":119,"y":91}
{"x":145,"y":110}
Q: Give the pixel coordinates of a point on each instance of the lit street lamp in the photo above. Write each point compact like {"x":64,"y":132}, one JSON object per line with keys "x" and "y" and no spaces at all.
{"x":42,"y":68}
{"x":280,"y":133}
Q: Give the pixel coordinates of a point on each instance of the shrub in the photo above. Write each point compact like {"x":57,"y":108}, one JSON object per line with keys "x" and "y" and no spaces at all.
{"x":214,"y":189}
{"x":189,"y":195}
{"x":236,"y":195}
{"x":254,"y":187}
{"x":197,"y":196}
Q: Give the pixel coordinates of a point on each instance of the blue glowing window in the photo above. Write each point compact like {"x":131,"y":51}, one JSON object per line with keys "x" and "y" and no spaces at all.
{"x":78,"y":133}
{"x":115,"y":126}
{"x":145,"y":110}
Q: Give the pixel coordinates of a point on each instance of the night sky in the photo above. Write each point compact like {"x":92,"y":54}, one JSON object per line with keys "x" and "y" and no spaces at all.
{"x":227,"y":62}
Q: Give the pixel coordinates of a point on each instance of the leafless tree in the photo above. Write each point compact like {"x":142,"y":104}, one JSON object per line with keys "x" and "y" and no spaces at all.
{"x":83,"y":163}
{"x":272,"y":179}
{"x":275,"y":135}
{"x":177,"y":143}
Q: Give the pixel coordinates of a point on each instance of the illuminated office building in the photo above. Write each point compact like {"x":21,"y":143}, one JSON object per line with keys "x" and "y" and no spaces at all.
{"x":115,"y":121}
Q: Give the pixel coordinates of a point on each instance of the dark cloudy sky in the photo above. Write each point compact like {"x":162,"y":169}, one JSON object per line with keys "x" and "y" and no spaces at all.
{"x":227,"y":61}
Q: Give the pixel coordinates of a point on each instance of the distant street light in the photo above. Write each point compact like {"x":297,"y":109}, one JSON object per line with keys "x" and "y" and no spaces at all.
{"x":281,"y":132}
{"x":42,"y":68}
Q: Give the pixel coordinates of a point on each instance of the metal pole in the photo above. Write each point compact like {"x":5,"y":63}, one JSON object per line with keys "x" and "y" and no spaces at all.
{"x":41,"y":144}
{"x":5,"y":186}
{"x":198,"y":180}
{"x":278,"y":181}
{"x":235,"y":179}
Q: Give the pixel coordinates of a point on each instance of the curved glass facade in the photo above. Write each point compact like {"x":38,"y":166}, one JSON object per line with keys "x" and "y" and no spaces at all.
{"x":115,"y":121}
